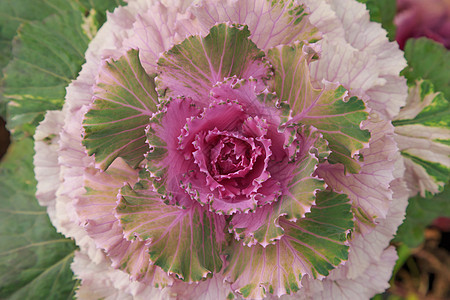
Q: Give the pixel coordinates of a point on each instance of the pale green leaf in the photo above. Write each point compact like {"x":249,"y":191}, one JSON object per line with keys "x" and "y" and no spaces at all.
{"x":125,"y":99}
{"x":328,"y":109}
{"x":423,"y":137}
{"x":313,"y":245}
{"x":194,"y":66}
{"x":181,"y":241}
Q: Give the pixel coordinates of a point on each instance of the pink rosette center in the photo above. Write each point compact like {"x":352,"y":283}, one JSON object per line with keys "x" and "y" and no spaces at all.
{"x":232,"y":162}
{"x":230,"y":153}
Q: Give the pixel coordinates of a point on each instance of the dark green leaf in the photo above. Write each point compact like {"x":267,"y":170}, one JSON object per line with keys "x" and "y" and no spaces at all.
{"x":100,"y":6}
{"x":12,"y":14}
{"x":383,"y":11}
{"x":34,"y":258}
{"x":428,"y":60}
{"x":5,"y":52}
{"x":47,"y":55}
{"x":419,"y":214}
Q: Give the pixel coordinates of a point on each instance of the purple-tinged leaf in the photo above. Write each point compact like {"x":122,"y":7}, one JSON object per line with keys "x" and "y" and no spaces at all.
{"x":125,"y":99}
{"x":185,"y":242}
{"x":311,"y":246}
{"x":327,"y":109}
{"x":284,"y":22}
{"x":193,"y":67}
{"x":165,"y":163}
{"x":96,"y":209}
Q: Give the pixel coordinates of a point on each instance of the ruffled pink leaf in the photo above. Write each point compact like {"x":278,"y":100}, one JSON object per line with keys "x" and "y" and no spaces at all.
{"x":298,"y":189}
{"x":271,"y":23}
{"x":96,"y":212}
{"x":159,"y":27}
{"x":164,"y":161}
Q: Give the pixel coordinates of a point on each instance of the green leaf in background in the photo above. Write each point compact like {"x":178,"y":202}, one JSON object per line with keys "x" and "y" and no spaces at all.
{"x":430,"y":61}
{"x":47,"y":56}
{"x":100,"y":6}
{"x":383,"y":11}
{"x":47,"y":52}
{"x":420,"y":213}
{"x":34,"y":259}
{"x":15,"y":12}
{"x":12,"y":14}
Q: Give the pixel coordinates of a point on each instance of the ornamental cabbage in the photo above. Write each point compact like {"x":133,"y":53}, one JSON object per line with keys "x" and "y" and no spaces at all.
{"x":229,"y":149}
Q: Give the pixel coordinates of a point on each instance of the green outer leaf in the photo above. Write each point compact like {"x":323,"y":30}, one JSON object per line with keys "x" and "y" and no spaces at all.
{"x":420,"y":213}
{"x":100,"y":6}
{"x":12,"y":14}
{"x":47,"y":56}
{"x":428,"y":60}
{"x":338,"y":120}
{"x":183,"y":241}
{"x":313,"y":245}
{"x":15,"y":13}
{"x":194,"y":66}
{"x":125,"y":99}
{"x":34,"y":258}
{"x":383,"y":11}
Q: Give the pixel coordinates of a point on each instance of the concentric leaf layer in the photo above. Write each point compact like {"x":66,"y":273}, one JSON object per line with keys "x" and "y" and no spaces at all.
{"x":125,"y":99}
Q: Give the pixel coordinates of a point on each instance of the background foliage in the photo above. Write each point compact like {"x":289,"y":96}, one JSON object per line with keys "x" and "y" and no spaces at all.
{"x":42,"y":45}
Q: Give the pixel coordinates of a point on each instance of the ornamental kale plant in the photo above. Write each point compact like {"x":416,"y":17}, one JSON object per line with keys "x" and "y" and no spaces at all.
{"x":238,"y":149}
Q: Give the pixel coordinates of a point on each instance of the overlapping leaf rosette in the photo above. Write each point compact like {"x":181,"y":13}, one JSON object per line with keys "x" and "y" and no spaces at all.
{"x":229,"y":149}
